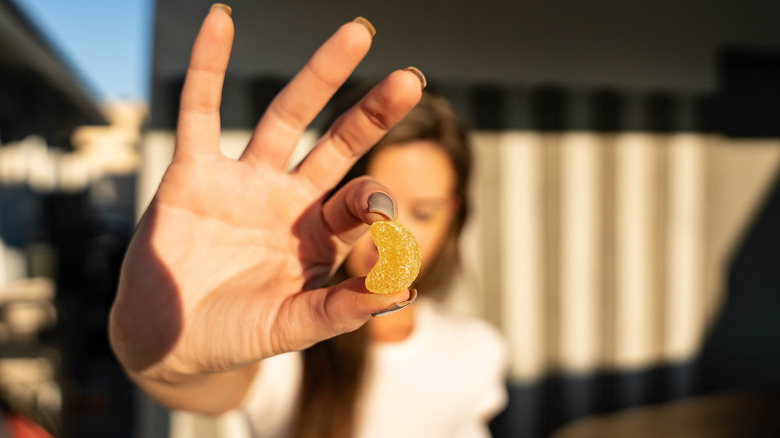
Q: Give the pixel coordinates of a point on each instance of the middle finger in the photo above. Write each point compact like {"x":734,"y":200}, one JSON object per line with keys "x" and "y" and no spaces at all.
{"x":294,"y":108}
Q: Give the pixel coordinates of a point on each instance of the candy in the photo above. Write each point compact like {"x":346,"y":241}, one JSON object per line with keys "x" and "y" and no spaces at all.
{"x":399,"y":258}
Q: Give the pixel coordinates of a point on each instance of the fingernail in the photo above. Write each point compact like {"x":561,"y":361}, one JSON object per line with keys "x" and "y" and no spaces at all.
{"x":223,"y":7}
{"x":381,"y":203}
{"x":398,"y":306}
{"x":420,"y":76}
{"x":369,"y":26}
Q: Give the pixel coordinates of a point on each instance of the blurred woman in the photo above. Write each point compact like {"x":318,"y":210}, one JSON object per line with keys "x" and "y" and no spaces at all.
{"x":419,"y":371}
{"x":219,"y":306}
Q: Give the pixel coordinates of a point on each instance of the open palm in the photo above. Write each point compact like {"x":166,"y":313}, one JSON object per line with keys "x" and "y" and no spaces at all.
{"x":226,"y":264}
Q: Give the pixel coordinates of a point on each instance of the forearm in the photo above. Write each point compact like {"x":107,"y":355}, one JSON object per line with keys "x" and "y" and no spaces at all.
{"x":205,"y":393}
{"x":211,"y":394}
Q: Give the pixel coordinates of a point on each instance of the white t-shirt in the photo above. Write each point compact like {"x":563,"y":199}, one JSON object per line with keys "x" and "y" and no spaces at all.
{"x":445,"y":380}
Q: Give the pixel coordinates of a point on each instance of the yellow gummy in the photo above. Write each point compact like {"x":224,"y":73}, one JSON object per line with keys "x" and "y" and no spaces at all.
{"x":399,"y":258}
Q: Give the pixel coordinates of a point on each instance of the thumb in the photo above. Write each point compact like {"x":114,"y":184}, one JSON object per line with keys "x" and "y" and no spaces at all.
{"x":320,"y":314}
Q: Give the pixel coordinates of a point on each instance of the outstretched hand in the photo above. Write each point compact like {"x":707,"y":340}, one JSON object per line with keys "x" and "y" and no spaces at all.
{"x":226,"y":264}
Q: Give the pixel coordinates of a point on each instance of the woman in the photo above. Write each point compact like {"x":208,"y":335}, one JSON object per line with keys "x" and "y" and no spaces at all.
{"x":415,"y":372}
{"x":221,"y":278}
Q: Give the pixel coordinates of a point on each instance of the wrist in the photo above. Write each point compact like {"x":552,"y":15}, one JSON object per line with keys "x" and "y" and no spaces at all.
{"x":141,"y":363}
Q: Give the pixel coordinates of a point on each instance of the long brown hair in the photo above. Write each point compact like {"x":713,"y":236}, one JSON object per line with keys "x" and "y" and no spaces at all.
{"x":333,"y":370}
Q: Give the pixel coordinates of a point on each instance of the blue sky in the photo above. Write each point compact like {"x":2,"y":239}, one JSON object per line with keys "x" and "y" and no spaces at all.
{"x":107,"y":42}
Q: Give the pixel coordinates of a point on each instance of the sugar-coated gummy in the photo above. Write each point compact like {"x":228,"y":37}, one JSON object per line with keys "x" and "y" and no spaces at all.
{"x":399,"y":258}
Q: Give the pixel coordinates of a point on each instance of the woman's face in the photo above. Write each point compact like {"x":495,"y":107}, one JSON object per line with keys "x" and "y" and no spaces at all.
{"x":421,"y":178}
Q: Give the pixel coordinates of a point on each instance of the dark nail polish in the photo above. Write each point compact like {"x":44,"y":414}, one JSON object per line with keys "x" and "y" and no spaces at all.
{"x":398,"y":306}
{"x":381,"y":203}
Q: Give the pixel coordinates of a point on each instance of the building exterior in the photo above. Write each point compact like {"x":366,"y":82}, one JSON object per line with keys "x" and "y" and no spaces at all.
{"x":67,"y":166}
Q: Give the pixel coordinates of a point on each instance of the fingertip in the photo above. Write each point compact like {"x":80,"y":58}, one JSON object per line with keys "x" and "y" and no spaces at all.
{"x":222,"y":7}
{"x":367,"y":24}
{"x":357,"y":35}
{"x":420,"y":76}
{"x":211,"y":50}
{"x":381,"y":203}
{"x":372,"y":201}
{"x":338,"y":309}
{"x":411,"y":297}
{"x":413,"y":81}
{"x":366,"y":304}
{"x":403,"y":89}
{"x":220,"y":20}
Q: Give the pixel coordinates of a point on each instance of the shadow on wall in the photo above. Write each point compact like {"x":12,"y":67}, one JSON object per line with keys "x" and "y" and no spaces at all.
{"x":742,"y":348}
{"x":738,"y":360}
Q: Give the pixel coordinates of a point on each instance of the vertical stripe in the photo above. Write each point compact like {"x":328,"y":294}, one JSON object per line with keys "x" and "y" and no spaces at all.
{"x":636,"y":282}
{"x":481,"y":247}
{"x":685,"y":247}
{"x":608,"y":268}
{"x":658,"y":229}
{"x":550,"y":232}
{"x":580,"y":285}
{"x":685,"y":271}
{"x":523,"y":252}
